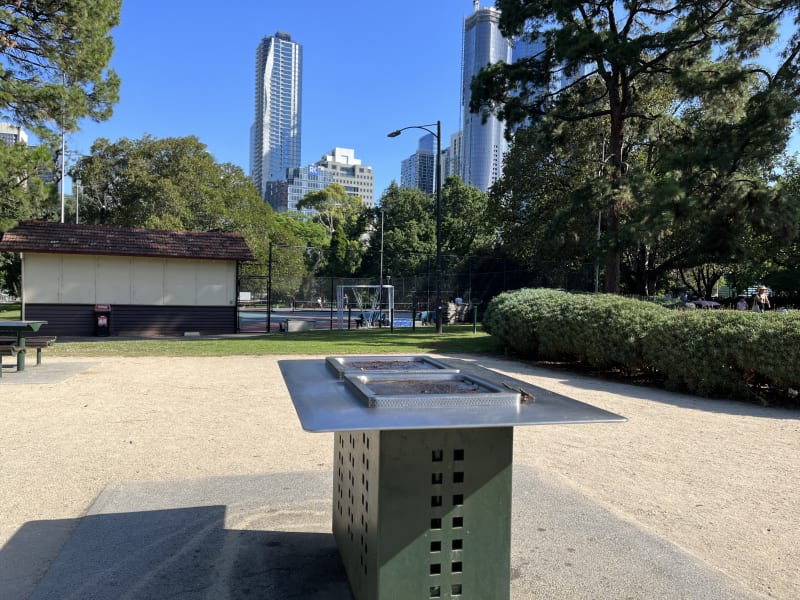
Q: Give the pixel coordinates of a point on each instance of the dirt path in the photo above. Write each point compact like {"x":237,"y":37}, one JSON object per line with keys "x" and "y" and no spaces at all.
{"x":719,"y":479}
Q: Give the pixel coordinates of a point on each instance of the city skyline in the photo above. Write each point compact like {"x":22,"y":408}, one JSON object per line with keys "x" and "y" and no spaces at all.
{"x":358,"y":83}
{"x":187,"y":69}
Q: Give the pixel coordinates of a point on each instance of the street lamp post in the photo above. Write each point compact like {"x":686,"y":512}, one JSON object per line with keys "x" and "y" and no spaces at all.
{"x":438,"y":187}
{"x":380,"y":278}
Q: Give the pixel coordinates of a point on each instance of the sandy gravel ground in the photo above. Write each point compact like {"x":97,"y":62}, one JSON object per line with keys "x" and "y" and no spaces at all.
{"x":719,"y":479}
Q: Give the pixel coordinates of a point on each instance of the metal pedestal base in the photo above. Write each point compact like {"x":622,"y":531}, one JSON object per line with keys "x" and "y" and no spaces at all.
{"x":424,"y":513}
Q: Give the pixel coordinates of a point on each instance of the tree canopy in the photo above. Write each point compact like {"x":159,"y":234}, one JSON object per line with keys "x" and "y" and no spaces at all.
{"x":23,"y":194}
{"x":169,"y":183}
{"x":602,"y":61}
{"x":406,"y":224}
{"x":175,"y":183}
{"x":54,"y":57}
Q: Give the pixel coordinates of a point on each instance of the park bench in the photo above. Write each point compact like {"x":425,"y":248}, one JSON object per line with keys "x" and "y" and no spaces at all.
{"x":8,"y":349}
{"x":39,"y":342}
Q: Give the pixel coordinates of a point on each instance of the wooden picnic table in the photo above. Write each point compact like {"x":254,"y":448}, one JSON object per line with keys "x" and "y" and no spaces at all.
{"x":20,"y":329}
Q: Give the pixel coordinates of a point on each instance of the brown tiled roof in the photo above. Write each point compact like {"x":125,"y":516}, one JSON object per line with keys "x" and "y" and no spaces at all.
{"x":67,"y":238}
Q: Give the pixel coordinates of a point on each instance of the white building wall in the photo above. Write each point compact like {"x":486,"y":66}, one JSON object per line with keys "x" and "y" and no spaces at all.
{"x":70,"y":279}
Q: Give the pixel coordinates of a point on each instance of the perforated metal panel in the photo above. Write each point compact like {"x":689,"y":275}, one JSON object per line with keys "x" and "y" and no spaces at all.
{"x":424,"y":513}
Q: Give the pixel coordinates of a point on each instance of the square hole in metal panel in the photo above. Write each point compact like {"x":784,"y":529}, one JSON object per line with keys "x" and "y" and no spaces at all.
{"x":436,"y":546}
{"x":436,"y":523}
{"x":458,"y":476}
{"x":436,"y":478}
{"x":457,"y":544}
{"x":458,"y":522}
{"x":436,"y":569}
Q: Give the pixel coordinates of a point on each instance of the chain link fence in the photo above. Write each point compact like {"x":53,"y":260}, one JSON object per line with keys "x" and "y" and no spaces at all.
{"x":290,"y":287}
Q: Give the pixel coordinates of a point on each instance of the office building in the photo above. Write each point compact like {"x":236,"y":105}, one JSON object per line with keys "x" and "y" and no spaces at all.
{"x":284,"y":196}
{"x":276,"y":130}
{"x":347,"y":170}
{"x":419,"y":169}
{"x":12,"y":134}
{"x":341,"y":166}
{"x":483,"y":144}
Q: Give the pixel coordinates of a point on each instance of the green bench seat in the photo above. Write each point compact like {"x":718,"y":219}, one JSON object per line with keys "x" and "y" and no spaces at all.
{"x":37,"y":341}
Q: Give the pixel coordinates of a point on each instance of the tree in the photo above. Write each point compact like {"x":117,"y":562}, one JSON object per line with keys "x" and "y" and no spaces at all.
{"x":689,"y":203}
{"x":466,"y":229}
{"x":170,"y":183}
{"x":545,"y":204}
{"x":54,"y":67}
{"x":408,"y":232}
{"x":23,"y":194}
{"x":780,"y":266}
{"x":610,"y":54}
{"x":344,"y":217}
{"x":334,"y":207}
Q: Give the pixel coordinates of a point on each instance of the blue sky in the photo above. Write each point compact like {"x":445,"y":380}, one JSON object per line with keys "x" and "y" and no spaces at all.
{"x":370,"y":67}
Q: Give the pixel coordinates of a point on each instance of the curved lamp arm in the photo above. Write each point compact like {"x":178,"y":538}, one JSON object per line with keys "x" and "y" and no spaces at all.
{"x":425,"y":127}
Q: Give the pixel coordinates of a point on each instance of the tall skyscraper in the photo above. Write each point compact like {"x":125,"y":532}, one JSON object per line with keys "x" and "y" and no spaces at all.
{"x":483,"y":144}
{"x":275,"y":133}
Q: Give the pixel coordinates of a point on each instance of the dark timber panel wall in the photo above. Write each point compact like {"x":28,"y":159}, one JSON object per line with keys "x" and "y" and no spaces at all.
{"x":129,"y":319}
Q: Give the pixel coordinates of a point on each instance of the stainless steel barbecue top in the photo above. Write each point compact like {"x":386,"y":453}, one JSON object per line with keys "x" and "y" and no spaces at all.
{"x":326,"y":402}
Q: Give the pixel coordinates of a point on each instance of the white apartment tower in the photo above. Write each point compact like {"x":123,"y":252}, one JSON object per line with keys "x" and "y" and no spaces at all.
{"x":483,"y":145}
{"x":275,"y":133}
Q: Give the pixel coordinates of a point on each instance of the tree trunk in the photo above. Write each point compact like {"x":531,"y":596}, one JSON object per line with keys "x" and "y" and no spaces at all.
{"x":617,"y":95}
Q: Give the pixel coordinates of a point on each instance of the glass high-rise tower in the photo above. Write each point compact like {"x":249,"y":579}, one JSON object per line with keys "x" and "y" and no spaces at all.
{"x":275,"y":133}
{"x":483,"y":144}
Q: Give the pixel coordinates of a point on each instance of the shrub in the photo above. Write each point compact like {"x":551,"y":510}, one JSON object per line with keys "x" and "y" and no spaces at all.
{"x":721,"y":353}
{"x":515,"y":318}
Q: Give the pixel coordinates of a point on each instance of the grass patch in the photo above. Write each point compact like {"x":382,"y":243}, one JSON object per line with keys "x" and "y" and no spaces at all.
{"x":456,"y":339}
{"x":10,"y":312}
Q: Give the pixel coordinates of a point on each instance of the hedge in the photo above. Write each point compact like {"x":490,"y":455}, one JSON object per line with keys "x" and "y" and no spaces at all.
{"x":715,"y":353}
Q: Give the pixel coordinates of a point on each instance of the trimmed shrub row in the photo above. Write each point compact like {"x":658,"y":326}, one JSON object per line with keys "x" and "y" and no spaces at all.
{"x":715,"y":353}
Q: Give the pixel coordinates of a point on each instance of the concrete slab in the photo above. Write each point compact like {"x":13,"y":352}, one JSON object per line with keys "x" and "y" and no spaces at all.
{"x":268,"y":536}
{"x":47,"y":372}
